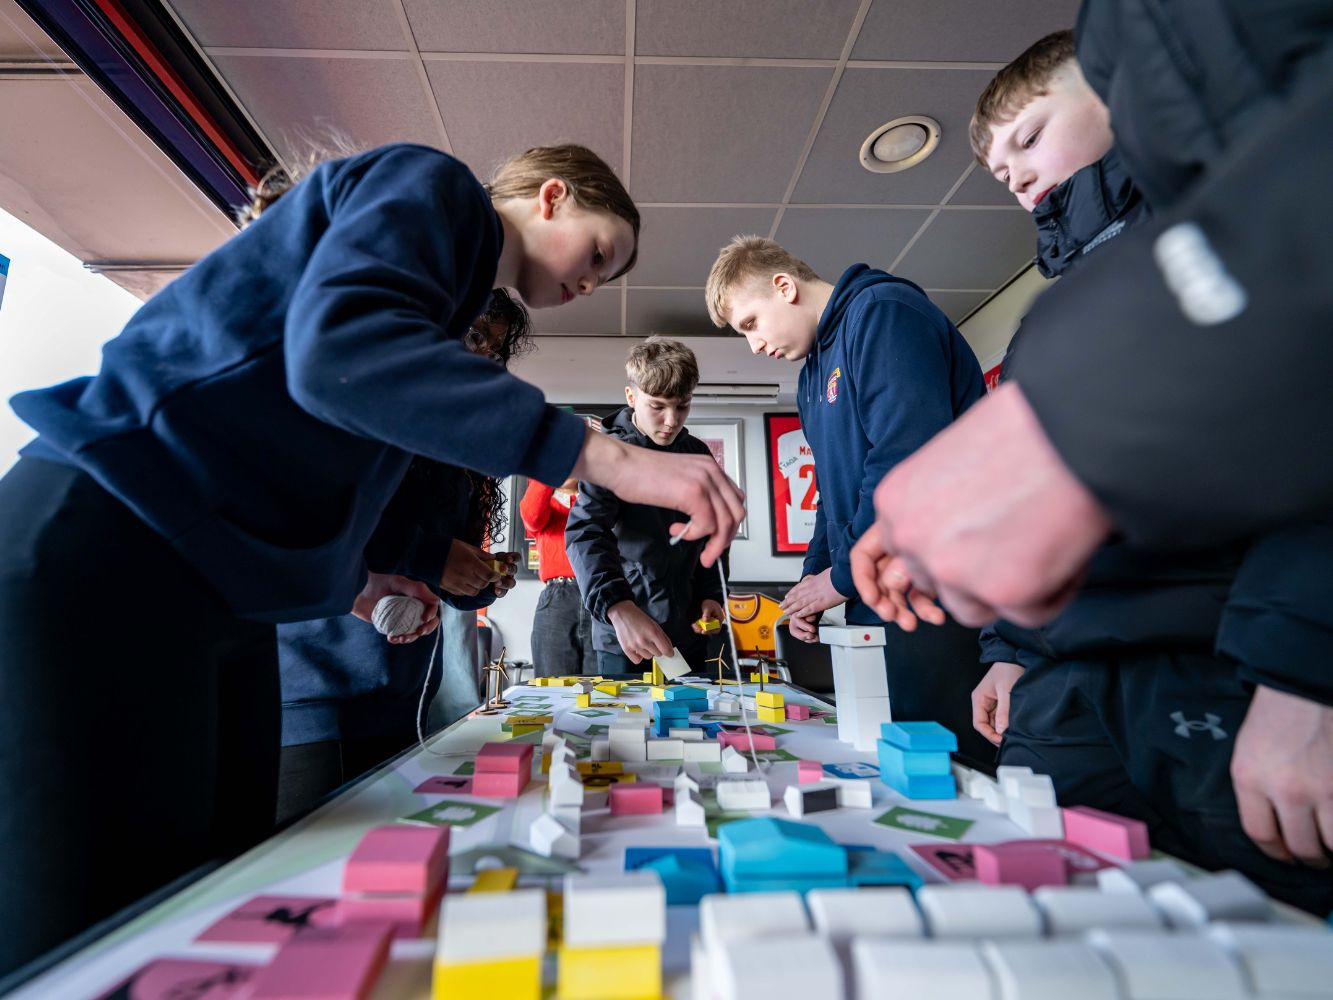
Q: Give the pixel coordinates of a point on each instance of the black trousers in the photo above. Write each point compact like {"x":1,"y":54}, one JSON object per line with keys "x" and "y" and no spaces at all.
{"x":307,"y":772}
{"x":138,"y":717}
{"x":1151,"y":737}
{"x":562,"y":632}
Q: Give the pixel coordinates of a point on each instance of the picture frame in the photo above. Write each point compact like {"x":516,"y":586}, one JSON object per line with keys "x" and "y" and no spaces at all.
{"x":791,"y":470}
{"x":725,"y":437}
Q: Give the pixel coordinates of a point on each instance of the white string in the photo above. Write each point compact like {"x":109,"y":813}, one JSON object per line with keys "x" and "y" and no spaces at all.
{"x":736,"y":663}
{"x":425,"y":685}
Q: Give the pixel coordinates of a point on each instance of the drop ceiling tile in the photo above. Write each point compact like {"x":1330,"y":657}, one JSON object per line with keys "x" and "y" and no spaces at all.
{"x":832,"y":239}
{"x":670,"y":313}
{"x":956,"y":305}
{"x":584,"y":27}
{"x":493,"y":110}
{"x":678,"y":245}
{"x":978,"y":249}
{"x":720,"y":133}
{"x":296,"y":101}
{"x":866,"y":99}
{"x":981,"y":188}
{"x":596,"y":314}
{"x":756,"y":29}
{"x":294,"y":24}
{"x":958,"y":30}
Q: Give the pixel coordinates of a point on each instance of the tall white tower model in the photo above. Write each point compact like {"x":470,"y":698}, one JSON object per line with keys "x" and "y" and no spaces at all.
{"x":860,"y":682}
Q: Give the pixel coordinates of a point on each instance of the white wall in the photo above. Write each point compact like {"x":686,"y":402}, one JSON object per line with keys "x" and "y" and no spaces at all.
{"x":990,"y":328}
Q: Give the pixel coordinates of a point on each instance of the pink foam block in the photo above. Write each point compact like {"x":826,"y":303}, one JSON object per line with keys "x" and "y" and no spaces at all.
{"x":798,"y":713}
{"x":1016,"y":863}
{"x":271,"y":919}
{"x":504,"y":758}
{"x":412,"y":859}
{"x":338,"y":964}
{"x":808,"y":771}
{"x":173,"y":978}
{"x":1106,"y":832}
{"x":406,"y":914}
{"x":742,"y":742}
{"x":636,"y":799}
{"x":499,"y":784}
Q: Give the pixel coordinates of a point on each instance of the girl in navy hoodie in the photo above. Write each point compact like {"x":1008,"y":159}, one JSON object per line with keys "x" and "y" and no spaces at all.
{"x":226,"y":469}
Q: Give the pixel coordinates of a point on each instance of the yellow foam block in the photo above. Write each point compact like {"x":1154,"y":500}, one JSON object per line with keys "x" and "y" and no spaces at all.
{"x":754,"y":678}
{"x":494,"y":880}
{"x":541,"y":682}
{"x":610,"y":687}
{"x":523,"y":730}
{"x":768,"y":699}
{"x":600,"y":767}
{"x":630,"y":973}
{"x":658,"y":693}
{"x":709,"y":625}
{"x":511,"y":978}
{"x":582,"y":700}
{"x":771,"y":714}
{"x":654,"y":676}
{"x":633,"y":708}
{"x":546,"y":763}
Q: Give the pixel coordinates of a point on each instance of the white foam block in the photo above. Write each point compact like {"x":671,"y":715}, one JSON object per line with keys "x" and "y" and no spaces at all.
{"x":676,"y":733}
{"x":860,"y":718}
{"x":975,"y":911}
{"x":682,"y":780}
{"x":1071,"y":909}
{"x":743,"y":794}
{"x":1157,"y":966}
{"x":700,"y":752}
{"x":859,"y":676}
{"x":475,"y":926}
{"x":909,"y":969}
{"x":1009,"y":778}
{"x":666,"y":749}
{"x":1037,"y":790}
{"x":1225,"y":895}
{"x":672,"y":666}
{"x":854,"y":793}
{"x":689,"y":808}
{"x":733,"y":761}
{"x":784,"y":966}
{"x":614,"y":908}
{"x":840,"y":914}
{"x":1140,"y":876}
{"x":799,"y":799}
{"x":552,"y":839}
{"x":724,"y":920}
{"x":1282,"y":959}
{"x":1037,"y":821}
{"x":851,"y":635}
{"x":1050,"y":970}
{"x":599,"y":749}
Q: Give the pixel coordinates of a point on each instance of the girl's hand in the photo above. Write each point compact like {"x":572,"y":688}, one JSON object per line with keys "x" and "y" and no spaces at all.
{"x":466,"y":570}
{"x":380,"y":585}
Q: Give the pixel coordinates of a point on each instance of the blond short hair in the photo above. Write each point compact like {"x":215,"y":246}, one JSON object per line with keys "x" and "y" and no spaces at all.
{"x":747,"y":259}
{"x":662,"y":367}
{"x":1026,"y":77}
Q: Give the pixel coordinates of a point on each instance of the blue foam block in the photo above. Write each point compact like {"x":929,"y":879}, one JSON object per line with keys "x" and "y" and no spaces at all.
{"x":770,"y":848}
{"x":914,"y":786}
{"x":918,"y":736}
{"x":912,"y":762}
{"x":873,"y":867}
{"x":685,"y":693}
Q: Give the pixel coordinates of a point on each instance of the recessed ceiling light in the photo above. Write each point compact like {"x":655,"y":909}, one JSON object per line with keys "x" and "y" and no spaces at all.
{"x":899,"y":144}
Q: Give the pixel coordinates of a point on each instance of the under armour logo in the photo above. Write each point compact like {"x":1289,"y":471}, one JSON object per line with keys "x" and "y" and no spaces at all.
{"x":1209,"y":724}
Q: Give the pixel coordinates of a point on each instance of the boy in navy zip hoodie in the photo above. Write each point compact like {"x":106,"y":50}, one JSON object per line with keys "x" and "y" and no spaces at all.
{"x":884,"y":371}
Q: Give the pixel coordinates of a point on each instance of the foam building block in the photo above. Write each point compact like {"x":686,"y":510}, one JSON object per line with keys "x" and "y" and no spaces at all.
{"x":550,"y":838}
{"x":398,"y":859}
{"x":747,"y":741}
{"x":973,"y":911}
{"x":884,"y":967}
{"x":1106,"y":832}
{"x":666,"y":749}
{"x":916,"y":774}
{"x":614,"y":926}
{"x":695,"y":697}
{"x":919,"y":736}
{"x":684,"y":781}
{"x":642,"y":798}
{"x":406,"y":914}
{"x":860,"y":682}
{"x":1225,"y":895}
{"x":802,"y":799}
{"x":1156,"y":966}
{"x":1017,"y":863}
{"x":685,"y":879}
{"x":564,"y":789}
{"x":672,"y":666}
{"x":743,"y":794}
{"x":797,"y":713}
{"x":689,"y":809}
{"x":701,"y":752}
{"x":786,"y":966}
{"x":491,"y":944}
{"x":842,"y":914}
{"x":1281,"y":960}
{"x":339,"y":964}
{"x":628,"y":740}
{"x":1071,"y":910}
{"x":1030,"y":803}
{"x":687,"y":733}
{"x":728,"y":920}
{"x":1050,"y":970}
{"x":734,"y":762}
{"x":766,"y":854}
{"x":502,"y":770}
{"x":809,"y":771}
{"x":1140,"y":876}
{"x":853,"y":793}
{"x":880,"y":868}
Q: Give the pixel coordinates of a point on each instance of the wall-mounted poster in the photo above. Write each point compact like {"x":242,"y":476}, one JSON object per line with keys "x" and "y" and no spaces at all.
{"x":726,"y":440}
{"x":791,"y":484}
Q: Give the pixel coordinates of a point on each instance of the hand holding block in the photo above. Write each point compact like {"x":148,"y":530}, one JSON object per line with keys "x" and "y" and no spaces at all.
{"x":707,"y":625}
{"x":672,"y":666}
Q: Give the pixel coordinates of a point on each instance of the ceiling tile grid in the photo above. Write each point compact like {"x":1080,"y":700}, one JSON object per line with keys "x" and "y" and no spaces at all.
{"x":729,"y":116}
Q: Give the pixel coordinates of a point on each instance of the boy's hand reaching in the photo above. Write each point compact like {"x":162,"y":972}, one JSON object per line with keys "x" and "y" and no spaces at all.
{"x":380,"y":585}
{"x":990,"y":700}
{"x":885,"y":584}
{"x":1282,"y":768}
{"x":709,"y":611}
{"x":466,"y":570}
{"x":639,"y":636}
{"x":805,"y":629}
{"x":812,"y":596}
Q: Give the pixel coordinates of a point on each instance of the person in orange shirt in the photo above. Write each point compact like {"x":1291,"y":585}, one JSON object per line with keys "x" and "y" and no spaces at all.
{"x":561,"y":627}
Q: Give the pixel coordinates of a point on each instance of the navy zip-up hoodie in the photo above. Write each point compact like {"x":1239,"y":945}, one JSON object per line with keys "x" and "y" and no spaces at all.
{"x":261,"y":409}
{"x":887,"y":372}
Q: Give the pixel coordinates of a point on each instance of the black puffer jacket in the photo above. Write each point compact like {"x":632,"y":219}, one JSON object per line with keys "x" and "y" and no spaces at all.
{"x":1085,"y":213}
{"x":621,"y":552}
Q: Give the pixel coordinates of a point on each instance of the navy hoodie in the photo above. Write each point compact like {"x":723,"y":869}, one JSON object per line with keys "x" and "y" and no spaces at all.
{"x":887,"y":372}
{"x":260,"y":410}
